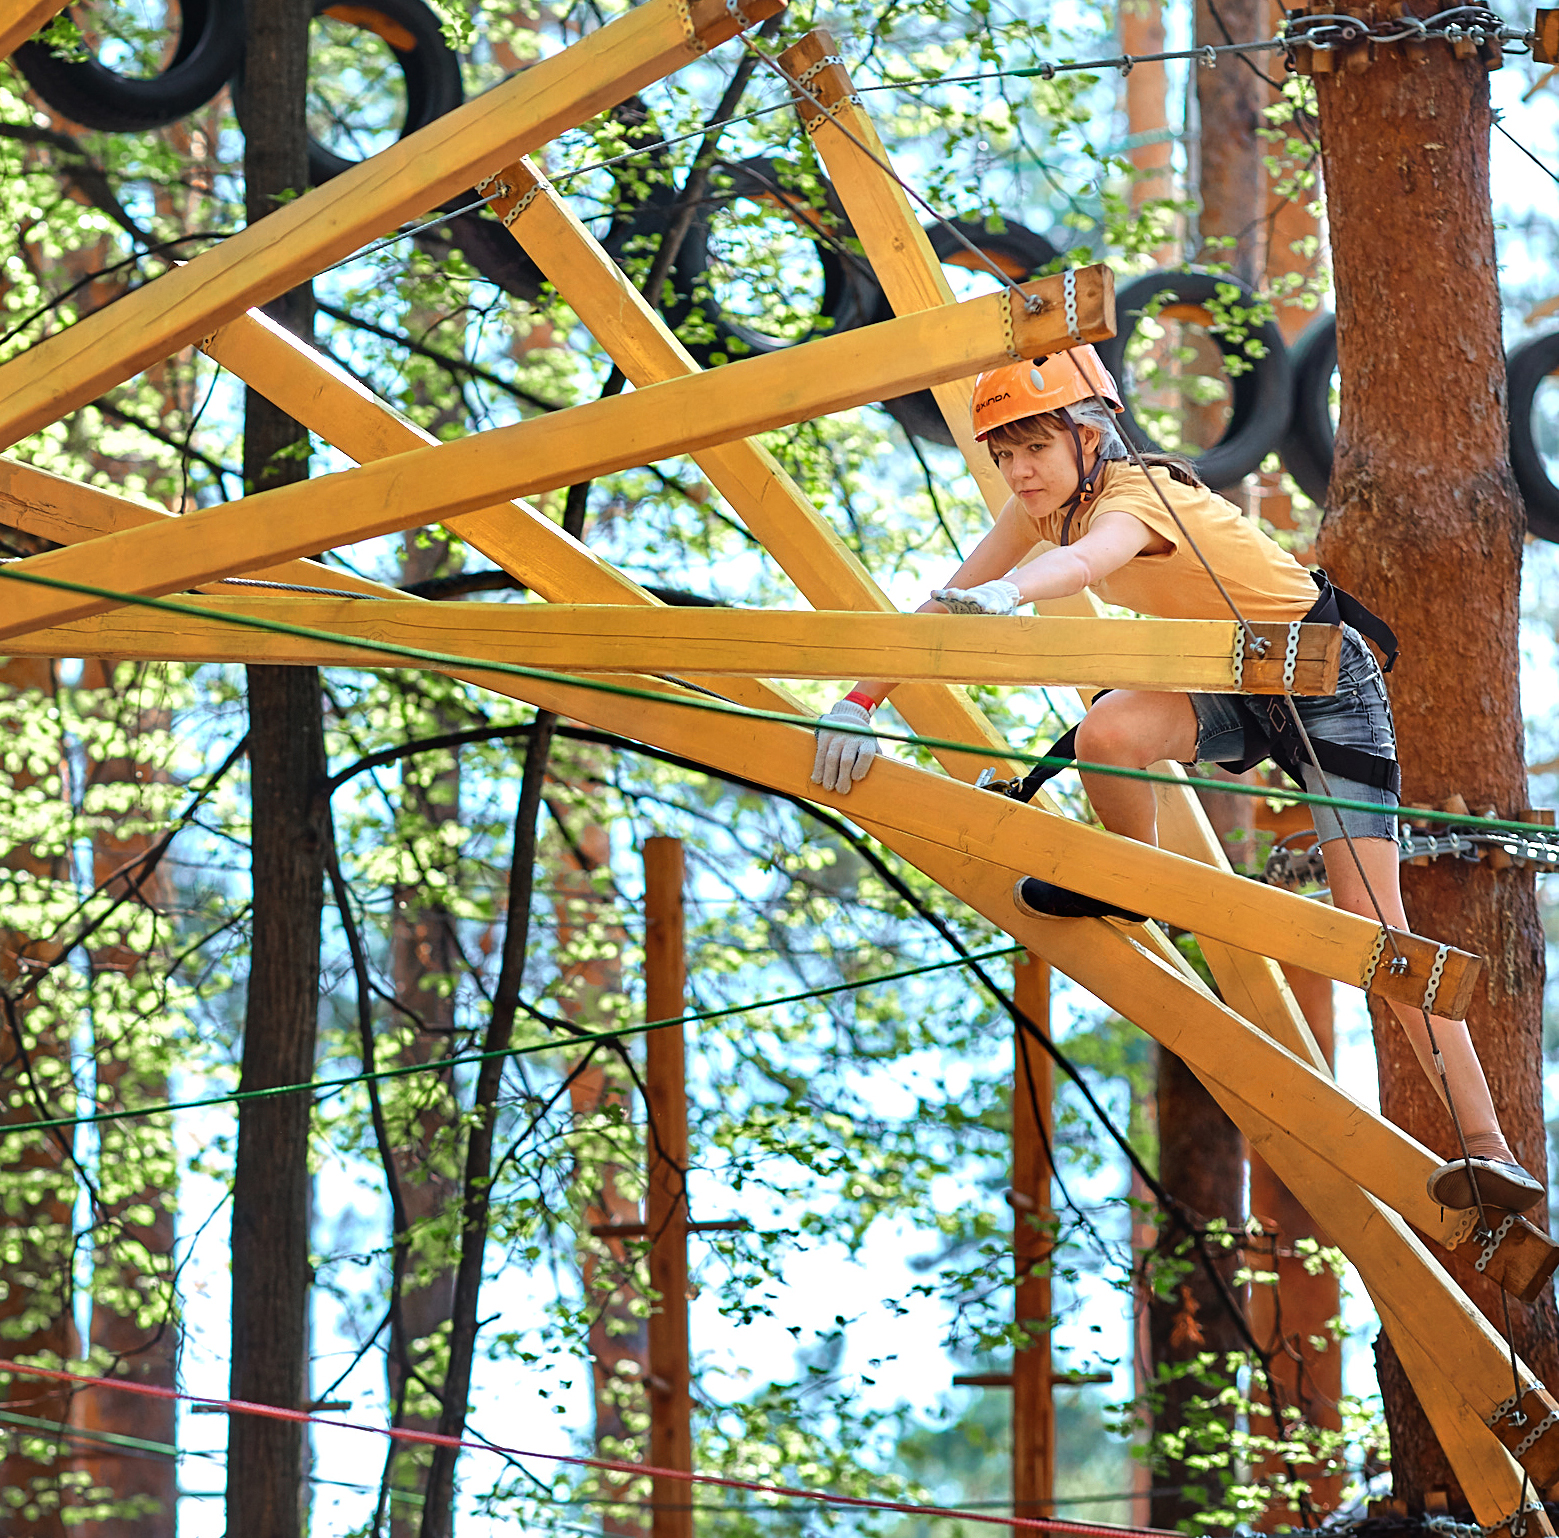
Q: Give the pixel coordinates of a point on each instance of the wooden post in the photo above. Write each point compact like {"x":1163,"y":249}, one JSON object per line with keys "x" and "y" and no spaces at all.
{"x":665,"y":977}
{"x":1033,"y":1409}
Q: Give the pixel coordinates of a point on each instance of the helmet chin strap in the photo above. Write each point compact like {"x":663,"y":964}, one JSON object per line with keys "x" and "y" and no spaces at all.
{"x":1087,"y":480}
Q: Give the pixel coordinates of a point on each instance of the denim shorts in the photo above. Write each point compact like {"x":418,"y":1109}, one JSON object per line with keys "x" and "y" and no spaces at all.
{"x":1357,"y":716}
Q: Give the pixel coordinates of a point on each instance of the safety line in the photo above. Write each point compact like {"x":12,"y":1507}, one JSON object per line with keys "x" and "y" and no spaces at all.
{"x":708,"y":702}
{"x":330,"y":1086}
{"x":606,"y":1465}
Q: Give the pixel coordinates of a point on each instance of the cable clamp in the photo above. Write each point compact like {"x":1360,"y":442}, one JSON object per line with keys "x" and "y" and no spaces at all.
{"x":1209,"y":58}
{"x":493,"y":186}
{"x":1530,"y":1440}
{"x":524,"y":203}
{"x":1495,"y":1239}
{"x":812,"y":71}
{"x":1291,"y":657}
{"x":1374,"y":961}
{"x":1435,"y":971}
{"x":1507,"y":1409}
{"x":1069,"y":298}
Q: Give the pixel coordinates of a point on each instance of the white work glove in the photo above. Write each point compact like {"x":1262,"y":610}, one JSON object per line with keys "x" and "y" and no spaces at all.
{"x":843,"y":757}
{"x":988,"y":598}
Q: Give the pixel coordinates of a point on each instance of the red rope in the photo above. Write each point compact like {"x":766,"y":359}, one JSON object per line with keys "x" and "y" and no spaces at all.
{"x":608,"y":1465}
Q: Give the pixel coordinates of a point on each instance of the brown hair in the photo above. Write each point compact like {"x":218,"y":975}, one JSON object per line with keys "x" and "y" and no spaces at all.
{"x":1048,"y":424}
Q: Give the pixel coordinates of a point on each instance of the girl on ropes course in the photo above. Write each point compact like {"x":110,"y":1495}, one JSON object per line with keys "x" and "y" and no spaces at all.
{"x":1156,"y":540}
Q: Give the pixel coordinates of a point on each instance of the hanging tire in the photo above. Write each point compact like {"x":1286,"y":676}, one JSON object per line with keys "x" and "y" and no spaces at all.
{"x":210,"y":47}
{"x":1526,"y":368}
{"x":429,"y":67}
{"x":1311,"y":440}
{"x":849,"y":291}
{"x":1261,"y":393}
{"x":1019,"y":252}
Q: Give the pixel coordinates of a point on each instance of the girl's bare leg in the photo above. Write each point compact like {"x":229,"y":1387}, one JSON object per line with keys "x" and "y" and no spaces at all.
{"x":1463,"y":1072}
{"x":1133,"y":729}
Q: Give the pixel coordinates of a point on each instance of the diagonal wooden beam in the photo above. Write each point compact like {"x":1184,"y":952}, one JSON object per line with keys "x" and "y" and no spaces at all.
{"x":319,"y":393}
{"x":409,"y":178}
{"x":824,"y":569}
{"x":787,"y":643}
{"x":71,"y":512}
{"x":889,"y":230}
{"x":557,"y":450}
{"x":884,"y":221}
{"x":19,"y":19}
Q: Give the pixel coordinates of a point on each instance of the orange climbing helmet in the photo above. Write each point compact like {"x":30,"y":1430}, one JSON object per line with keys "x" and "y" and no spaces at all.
{"x":1018,"y":390}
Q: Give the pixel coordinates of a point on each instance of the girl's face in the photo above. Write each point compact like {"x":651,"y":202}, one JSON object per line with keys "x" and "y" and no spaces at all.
{"x":1042,"y":471}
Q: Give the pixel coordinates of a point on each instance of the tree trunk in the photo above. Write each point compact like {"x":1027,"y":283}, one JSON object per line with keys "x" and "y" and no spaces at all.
{"x":1201,"y":1163}
{"x":438,"y":1511}
{"x":424,"y":950}
{"x":271,"y":1275}
{"x":1229,"y":99}
{"x":609,"y":1272}
{"x":129,"y":1267}
{"x":39,"y":1184}
{"x":1426,"y":526}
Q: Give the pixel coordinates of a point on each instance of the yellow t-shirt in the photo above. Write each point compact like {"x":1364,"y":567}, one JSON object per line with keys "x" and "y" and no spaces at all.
{"x":1262,"y":578}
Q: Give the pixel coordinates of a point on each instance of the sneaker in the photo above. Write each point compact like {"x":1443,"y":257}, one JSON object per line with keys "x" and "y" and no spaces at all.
{"x":1044,"y":900}
{"x":1501,"y":1184}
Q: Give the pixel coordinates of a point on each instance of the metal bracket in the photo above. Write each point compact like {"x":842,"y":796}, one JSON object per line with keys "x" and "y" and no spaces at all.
{"x":1433,"y":986}
{"x":1069,"y":298}
{"x":1495,"y":1239}
{"x":1374,"y":961}
{"x":1291,"y":657}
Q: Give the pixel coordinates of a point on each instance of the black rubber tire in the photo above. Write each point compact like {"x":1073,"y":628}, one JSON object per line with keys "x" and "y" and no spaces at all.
{"x":1261,"y":395}
{"x":211,"y":45}
{"x":1311,"y":439}
{"x":1526,"y":368}
{"x":1020,"y":252}
{"x":850,"y":292}
{"x":430,"y":66}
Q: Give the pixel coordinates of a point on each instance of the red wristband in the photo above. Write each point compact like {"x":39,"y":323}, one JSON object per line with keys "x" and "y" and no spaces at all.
{"x":865,"y":701}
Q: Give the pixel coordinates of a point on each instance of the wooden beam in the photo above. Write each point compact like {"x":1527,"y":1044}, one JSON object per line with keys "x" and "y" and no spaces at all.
{"x":1470,"y":1364}
{"x":556,"y":450}
{"x":318,"y":392}
{"x":884,"y":221}
{"x":71,"y":513}
{"x":1242,"y":913}
{"x":1182,"y":655}
{"x":19,"y":19}
{"x":1033,"y":1089}
{"x":417,"y":173}
{"x":665,"y":1198}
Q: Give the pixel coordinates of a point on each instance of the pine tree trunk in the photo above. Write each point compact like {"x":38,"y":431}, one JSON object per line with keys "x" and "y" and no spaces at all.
{"x":39,"y":1185}
{"x":1201,"y":1162}
{"x":140,"y":1268}
{"x":1229,"y":99}
{"x":266,"y":1497}
{"x":1426,"y":526}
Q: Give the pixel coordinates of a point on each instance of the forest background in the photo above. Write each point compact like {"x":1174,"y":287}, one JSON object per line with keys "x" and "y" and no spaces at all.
{"x":863,"y":1136}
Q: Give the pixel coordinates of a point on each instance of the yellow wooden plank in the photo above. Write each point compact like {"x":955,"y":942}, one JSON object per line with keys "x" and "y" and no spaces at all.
{"x":319,"y":393}
{"x":596,"y":638}
{"x":70,"y":512}
{"x":1467,"y":1371}
{"x":557,"y":450}
{"x":773,"y":507}
{"x":414,"y":175}
{"x":885,"y":222}
{"x":19,"y":19}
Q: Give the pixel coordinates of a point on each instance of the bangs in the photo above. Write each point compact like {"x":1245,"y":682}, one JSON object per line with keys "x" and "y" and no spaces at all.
{"x":1035,"y":429}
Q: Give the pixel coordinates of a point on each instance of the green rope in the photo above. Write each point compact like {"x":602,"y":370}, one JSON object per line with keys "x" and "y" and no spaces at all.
{"x":332,"y":1086}
{"x":725,"y":707}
